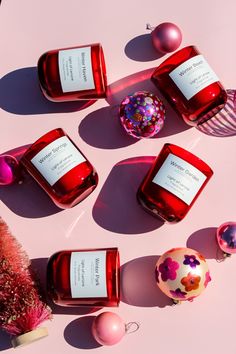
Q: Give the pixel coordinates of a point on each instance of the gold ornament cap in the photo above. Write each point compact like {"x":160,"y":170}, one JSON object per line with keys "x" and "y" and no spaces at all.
{"x":29,"y":337}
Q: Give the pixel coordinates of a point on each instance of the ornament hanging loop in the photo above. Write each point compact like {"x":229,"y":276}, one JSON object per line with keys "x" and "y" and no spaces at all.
{"x":131,"y":327}
{"x":221,"y":256}
{"x":149,"y":27}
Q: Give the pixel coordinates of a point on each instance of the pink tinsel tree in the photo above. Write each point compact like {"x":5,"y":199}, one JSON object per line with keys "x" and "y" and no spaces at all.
{"x":22,"y":308}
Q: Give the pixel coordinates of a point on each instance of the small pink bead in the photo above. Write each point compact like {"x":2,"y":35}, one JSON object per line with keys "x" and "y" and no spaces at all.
{"x":108,"y":328}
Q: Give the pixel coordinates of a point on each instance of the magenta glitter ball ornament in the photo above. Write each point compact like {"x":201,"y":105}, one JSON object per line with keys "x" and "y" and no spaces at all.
{"x":108,"y":328}
{"x":166,"y":37}
{"x":182,"y":274}
{"x":226,"y":237}
{"x":142,"y":114}
{"x":9,"y":170}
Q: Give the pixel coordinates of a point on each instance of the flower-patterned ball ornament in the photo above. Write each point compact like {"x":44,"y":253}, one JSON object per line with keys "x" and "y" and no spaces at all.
{"x":182,"y":274}
{"x":142,"y":114}
{"x":226,"y":238}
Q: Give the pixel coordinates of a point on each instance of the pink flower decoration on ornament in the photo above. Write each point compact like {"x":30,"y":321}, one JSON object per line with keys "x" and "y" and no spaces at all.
{"x":190,"y":299}
{"x":168,"y":269}
{"x":207,"y":279}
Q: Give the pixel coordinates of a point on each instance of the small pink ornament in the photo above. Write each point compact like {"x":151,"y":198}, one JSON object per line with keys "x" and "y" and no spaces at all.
{"x":9,"y":170}
{"x":226,"y":237}
{"x":166,"y":37}
{"x":182,"y":274}
{"x":108,"y":328}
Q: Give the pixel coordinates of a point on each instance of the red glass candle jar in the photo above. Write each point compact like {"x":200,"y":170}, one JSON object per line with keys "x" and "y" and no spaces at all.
{"x":84,"y":277}
{"x":70,"y":74}
{"x":190,"y":85}
{"x":60,"y":168}
{"x":173,"y":183}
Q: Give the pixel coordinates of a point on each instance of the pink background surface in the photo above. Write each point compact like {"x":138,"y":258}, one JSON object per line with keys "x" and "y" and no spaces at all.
{"x":29,"y":28}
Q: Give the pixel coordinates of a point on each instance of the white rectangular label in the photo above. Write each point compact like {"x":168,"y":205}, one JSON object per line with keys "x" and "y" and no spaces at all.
{"x":88,"y":274}
{"x":56,"y":159}
{"x":75,"y":68}
{"x":193,"y":75}
{"x":180,"y":178}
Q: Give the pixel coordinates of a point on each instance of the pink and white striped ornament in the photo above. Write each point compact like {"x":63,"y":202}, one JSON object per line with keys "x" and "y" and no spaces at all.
{"x":222,"y":123}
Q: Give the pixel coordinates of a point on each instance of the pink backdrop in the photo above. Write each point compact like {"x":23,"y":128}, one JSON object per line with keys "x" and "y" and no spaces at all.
{"x":29,"y":28}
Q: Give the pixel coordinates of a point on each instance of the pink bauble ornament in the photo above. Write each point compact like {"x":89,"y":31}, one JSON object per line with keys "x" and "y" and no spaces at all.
{"x":142,"y":114}
{"x":166,"y":37}
{"x":108,"y":328}
{"x":226,"y":237}
{"x":9,"y":170}
{"x":182,"y":274}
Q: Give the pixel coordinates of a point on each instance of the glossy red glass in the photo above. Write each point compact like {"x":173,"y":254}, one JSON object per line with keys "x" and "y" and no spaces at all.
{"x":190,"y":86}
{"x":60,"y":168}
{"x":173,"y":183}
{"x":84,"y":277}
{"x":75,"y":73}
